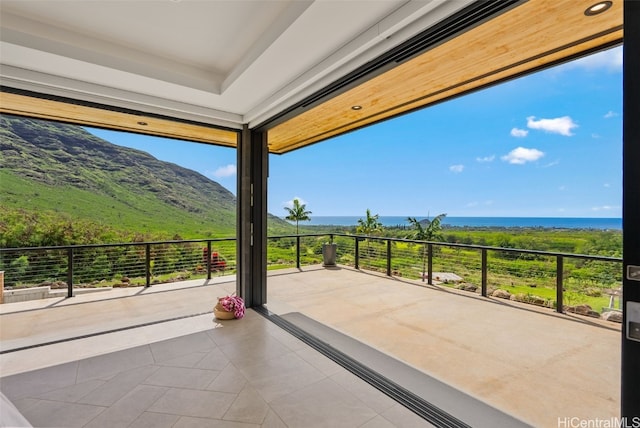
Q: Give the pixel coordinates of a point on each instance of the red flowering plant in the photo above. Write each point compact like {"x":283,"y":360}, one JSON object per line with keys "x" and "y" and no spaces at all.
{"x":231,"y":304}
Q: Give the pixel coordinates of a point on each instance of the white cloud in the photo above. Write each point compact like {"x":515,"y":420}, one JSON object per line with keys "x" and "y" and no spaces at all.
{"x":521,"y":155}
{"x":486,"y":158}
{"x":550,"y":164}
{"x":604,"y":208}
{"x":519,"y":133}
{"x":290,"y":203}
{"x":225,"y":171}
{"x":472,"y":204}
{"x":456,"y":168}
{"x":560,"y":125}
{"x":610,"y":114}
{"x":610,"y":60}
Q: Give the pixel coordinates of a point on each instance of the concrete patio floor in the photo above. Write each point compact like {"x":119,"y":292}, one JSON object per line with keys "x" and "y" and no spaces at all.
{"x":528,"y":362}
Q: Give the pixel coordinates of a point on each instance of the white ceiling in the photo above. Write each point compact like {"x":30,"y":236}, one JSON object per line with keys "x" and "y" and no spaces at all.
{"x":222,"y":62}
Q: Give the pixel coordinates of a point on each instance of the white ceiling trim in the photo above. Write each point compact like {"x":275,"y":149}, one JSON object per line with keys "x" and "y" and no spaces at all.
{"x":299,"y":50}
{"x":30,"y":80}
{"x":275,"y":30}
{"x":41,"y":37}
{"x":412,"y":18}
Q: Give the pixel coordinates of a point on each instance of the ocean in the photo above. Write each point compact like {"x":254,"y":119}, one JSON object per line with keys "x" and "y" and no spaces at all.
{"x":545,"y":222}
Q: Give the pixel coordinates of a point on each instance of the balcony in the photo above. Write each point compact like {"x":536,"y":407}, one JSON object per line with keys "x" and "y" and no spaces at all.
{"x":161,"y":358}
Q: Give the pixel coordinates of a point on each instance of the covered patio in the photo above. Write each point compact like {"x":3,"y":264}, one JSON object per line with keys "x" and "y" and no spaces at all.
{"x":486,"y":362}
{"x":268,"y":77}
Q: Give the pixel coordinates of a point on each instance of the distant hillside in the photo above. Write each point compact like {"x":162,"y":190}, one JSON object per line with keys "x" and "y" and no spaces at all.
{"x":48,"y":166}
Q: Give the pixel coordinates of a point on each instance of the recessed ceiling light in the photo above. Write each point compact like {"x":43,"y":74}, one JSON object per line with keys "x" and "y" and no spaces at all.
{"x":356,"y":107}
{"x":597,"y":8}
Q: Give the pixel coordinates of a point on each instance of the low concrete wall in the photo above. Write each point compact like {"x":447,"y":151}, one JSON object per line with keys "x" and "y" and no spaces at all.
{"x":24,"y":294}
{"x":36,"y":293}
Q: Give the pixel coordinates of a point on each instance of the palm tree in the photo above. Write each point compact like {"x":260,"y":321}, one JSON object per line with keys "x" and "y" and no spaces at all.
{"x":426,"y":230}
{"x":298,"y":213}
{"x":369,"y":226}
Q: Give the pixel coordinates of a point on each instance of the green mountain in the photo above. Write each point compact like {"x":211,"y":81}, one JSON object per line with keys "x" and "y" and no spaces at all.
{"x":54,"y":167}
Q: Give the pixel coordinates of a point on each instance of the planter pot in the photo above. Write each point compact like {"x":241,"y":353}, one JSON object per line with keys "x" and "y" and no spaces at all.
{"x":222,"y":314}
{"x":329,"y":252}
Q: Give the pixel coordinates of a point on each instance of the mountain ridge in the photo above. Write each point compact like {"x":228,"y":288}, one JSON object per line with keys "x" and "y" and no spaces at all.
{"x":64,"y":168}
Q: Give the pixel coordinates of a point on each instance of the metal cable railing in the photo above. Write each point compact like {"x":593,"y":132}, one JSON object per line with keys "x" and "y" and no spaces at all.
{"x":539,"y":277}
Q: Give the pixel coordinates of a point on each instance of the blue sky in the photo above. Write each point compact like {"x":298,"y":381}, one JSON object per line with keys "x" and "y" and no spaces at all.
{"x":545,"y":145}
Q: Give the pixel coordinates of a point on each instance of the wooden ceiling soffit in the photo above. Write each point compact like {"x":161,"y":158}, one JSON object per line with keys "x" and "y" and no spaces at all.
{"x":43,"y":108}
{"x":526,"y":38}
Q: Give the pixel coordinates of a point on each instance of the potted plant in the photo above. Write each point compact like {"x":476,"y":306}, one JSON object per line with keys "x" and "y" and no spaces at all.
{"x":329,"y":251}
{"x":229,"y":307}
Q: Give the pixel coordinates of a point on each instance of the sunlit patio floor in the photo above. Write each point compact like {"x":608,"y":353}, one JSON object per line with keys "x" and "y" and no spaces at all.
{"x":161,"y":359}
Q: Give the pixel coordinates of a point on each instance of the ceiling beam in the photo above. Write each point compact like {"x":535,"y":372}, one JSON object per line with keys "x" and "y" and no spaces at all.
{"x":71,"y":111}
{"x":502,"y":48}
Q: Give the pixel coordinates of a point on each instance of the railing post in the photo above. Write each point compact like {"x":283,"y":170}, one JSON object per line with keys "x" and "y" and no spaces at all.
{"x":147,"y":264}
{"x":208,"y":259}
{"x":298,"y":251}
{"x":430,"y":264}
{"x":388,"y":257}
{"x":70,"y":272}
{"x":484,"y":273}
{"x":357,"y":255}
{"x":559,"y":283}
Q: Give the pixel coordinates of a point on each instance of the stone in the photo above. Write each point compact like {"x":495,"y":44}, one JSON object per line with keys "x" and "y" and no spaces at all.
{"x":537,"y":300}
{"x":502,"y":294}
{"x":466,"y":286}
{"x":585,"y":310}
{"x":613,"y":316}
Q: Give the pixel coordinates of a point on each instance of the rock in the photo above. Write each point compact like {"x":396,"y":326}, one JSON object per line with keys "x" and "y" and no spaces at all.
{"x":585,"y":310}
{"x":537,"y":300}
{"x":613,"y":316}
{"x":593,"y":314}
{"x":502,"y":294}
{"x":466,"y":286}
{"x":125,"y":279}
{"x":530,"y":299}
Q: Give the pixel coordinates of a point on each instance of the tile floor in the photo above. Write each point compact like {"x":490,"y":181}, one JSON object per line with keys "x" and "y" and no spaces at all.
{"x":531,"y":363}
{"x":240,"y":373}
